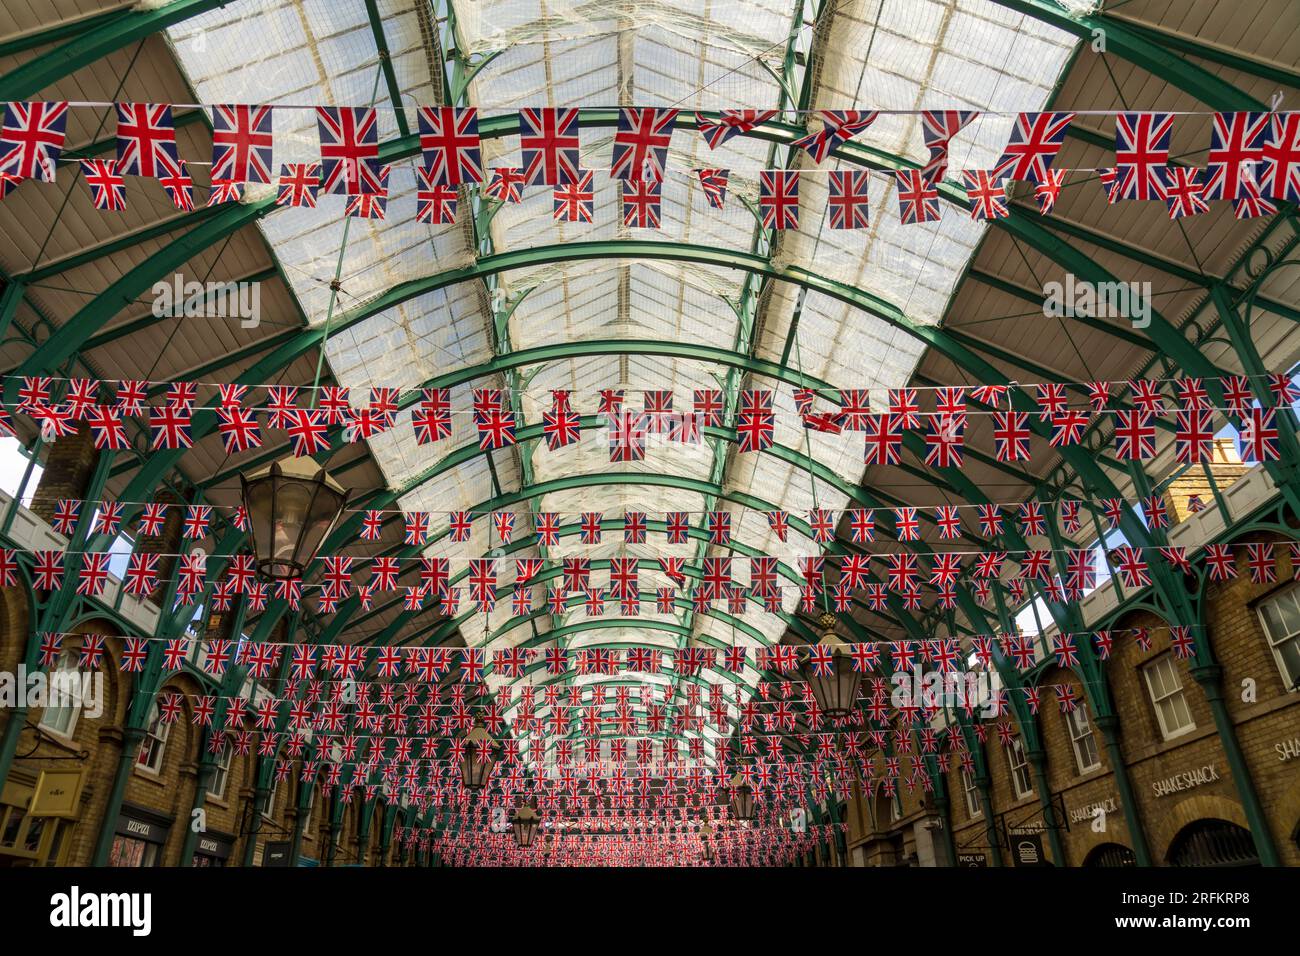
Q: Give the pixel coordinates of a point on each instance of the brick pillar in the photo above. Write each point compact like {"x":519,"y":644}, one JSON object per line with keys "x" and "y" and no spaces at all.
{"x":69,"y":464}
{"x":168,"y":543}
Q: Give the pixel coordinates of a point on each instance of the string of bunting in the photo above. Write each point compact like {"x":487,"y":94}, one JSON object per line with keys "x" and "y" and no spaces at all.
{"x":1253,"y":161}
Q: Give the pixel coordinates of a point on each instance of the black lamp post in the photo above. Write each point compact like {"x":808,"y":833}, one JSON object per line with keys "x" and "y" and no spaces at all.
{"x":476,"y":764}
{"x":525,"y":825}
{"x":836,"y":692}
{"x":292,"y":506}
{"x":742,"y":799}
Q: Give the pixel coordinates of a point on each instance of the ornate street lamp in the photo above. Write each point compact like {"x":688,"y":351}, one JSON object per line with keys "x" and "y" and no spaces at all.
{"x":525,"y":824}
{"x":836,"y":692}
{"x":476,"y":764}
{"x":742,"y":799}
{"x":292,"y":506}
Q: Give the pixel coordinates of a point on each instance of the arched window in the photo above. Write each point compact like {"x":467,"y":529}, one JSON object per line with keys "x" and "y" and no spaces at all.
{"x":1213,"y":843}
{"x":1110,"y":854}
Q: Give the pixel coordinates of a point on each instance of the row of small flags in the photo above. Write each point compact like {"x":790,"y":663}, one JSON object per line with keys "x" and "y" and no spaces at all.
{"x":309,"y":430}
{"x":1253,"y":160}
{"x":472,"y":665}
{"x":904,"y":522}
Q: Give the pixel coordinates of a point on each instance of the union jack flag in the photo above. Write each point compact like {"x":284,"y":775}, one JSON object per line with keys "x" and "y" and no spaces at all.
{"x":548,"y":141}
{"x":884,"y":440}
{"x":938,"y":127}
{"x":641,"y":143}
{"x":1011,"y":436}
{"x":575,"y":199}
{"x":1135,"y":435}
{"x":434,"y":202}
{"x":943,"y":442}
{"x":107,"y":187}
{"x":677,"y":527}
{"x":1236,"y":152}
{"x":299,"y":183}
{"x":986,"y":193}
{"x":1036,"y":138}
{"x":308,"y":431}
{"x":47,"y":570}
{"x":238,"y":428}
{"x":32,"y":138}
{"x":755,"y":424}
{"x":838,"y":126}
{"x":547,"y":526}
{"x":1047,"y":191}
{"x":506,"y":184}
{"x":778,"y":198}
{"x":146,"y":140}
{"x":714,"y":184}
{"x":561,"y":425}
{"x":1250,"y":202}
{"x":170,"y":427}
{"x":730,"y":123}
{"x":642,"y":200}
{"x":372,"y":204}
{"x":449,"y":145}
{"x":106,"y":427}
{"x":1183,"y":191}
{"x":416,"y":528}
{"x":918,"y":197}
{"x":241,"y":143}
{"x":848,"y":198}
{"x":627,"y":435}
{"x":1141,"y":148}
{"x":1068,"y":428}
{"x":494,"y":421}
{"x":1281,"y":174}
{"x":1259,"y":436}
{"x":349,"y":149}
{"x":460,"y":525}
{"x":224,"y":191}
{"x":179,"y":187}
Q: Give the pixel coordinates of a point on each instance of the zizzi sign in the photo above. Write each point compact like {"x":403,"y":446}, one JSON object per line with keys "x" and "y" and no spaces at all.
{"x":1186,"y":780}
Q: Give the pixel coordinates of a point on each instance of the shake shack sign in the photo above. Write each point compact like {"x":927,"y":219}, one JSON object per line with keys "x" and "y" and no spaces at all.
{"x":1187,"y":780}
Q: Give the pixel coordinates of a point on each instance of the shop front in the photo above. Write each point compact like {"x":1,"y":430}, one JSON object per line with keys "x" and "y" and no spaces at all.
{"x":213,"y":849}
{"x":139,"y":837}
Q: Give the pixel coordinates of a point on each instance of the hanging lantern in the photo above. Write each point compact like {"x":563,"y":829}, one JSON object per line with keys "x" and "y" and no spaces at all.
{"x":742,"y":799}
{"x":525,"y":826}
{"x":292,"y":506}
{"x":836,"y":692}
{"x":476,"y":763}
{"x":706,"y":832}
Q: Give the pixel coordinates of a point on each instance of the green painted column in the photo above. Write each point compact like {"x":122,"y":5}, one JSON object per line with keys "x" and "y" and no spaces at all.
{"x":1038,"y":763}
{"x":132,"y":737}
{"x":261,"y":794}
{"x":944,"y":806}
{"x":982,"y":784}
{"x":207,"y":767}
{"x":1109,"y":726}
{"x":1210,"y":677}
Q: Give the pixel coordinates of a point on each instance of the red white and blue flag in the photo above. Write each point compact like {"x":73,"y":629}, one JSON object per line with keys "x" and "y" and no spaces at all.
{"x":548,"y":141}
{"x":146,"y":140}
{"x":848,"y":198}
{"x":778,"y":198}
{"x":1141,"y":148}
{"x":450,"y":149}
{"x":349,"y":149}
{"x":730,"y":123}
{"x":1036,"y":138}
{"x":32,"y":139}
{"x":241,"y":143}
{"x":838,"y":126}
{"x":641,"y":143}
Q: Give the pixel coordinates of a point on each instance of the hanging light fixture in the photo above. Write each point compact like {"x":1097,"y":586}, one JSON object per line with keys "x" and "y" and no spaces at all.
{"x":836,"y":692}
{"x":525,"y":825}
{"x":742,"y":799}
{"x":292,"y":506}
{"x":476,"y":763}
{"x":706,"y":832}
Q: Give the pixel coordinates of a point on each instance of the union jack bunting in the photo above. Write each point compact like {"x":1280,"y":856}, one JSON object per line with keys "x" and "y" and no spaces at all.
{"x":943,"y":442}
{"x":1250,"y":202}
{"x":308,"y":432}
{"x":938,"y":127}
{"x":1011,"y":436}
{"x":32,"y":138}
{"x":1135,"y":435}
{"x":106,"y":428}
{"x":107,"y":187}
{"x":299,"y":183}
{"x":838,"y":126}
{"x":627,"y":435}
{"x":1047,"y":191}
{"x":506,"y":184}
{"x":918,"y":198}
{"x":561,"y":424}
{"x":641,"y":143}
{"x":146,"y":140}
{"x":434,"y":202}
{"x":493,"y":419}
{"x":755,"y":424}
{"x":169,"y":427}
{"x":241,"y":143}
{"x":8,"y":182}
{"x":574,"y":199}
{"x":848,"y":198}
{"x":450,"y":150}
{"x":883,"y":440}
{"x":349,"y":149}
{"x":1110,"y":181}
{"x":730,"y":123}
{"x":548,"y":142}
{"x":1236,"y":152}
{"x":778,"y":198}
{"x":1259,"y":436}
{"x":224,"y":191}
{"x":1036,"y":138}
{"x":986,"y":193}
{"x":1141,"y":148}
{"x":714,"y":184}
{"x":371,"y":204}
{"x":1280,"y":178}
{"x":179,"y":187}
{"x":1183,"y":191}
{"x":238,"y":429}
{"x":642,"y":200}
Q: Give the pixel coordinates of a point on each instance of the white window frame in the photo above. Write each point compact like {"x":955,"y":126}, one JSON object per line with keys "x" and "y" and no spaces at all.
{"x":67,"y":662}
{"x":154,"y":743}
{"x":971,"y":791}
{"x":1078,"y":723}
{"x":269,"y":810}
{"x":221,"y":772}
{"x":1276,"y":642}
{"x":1019,"y":763}
{"x":1165,"y":665}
